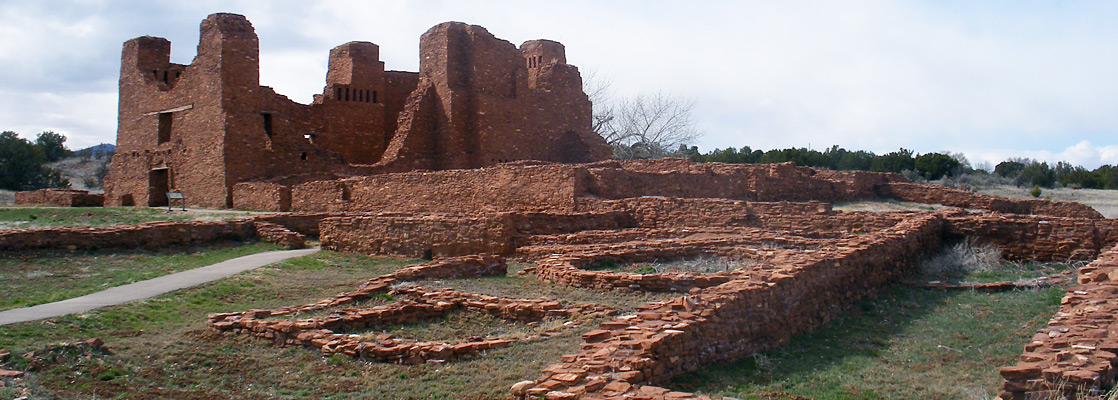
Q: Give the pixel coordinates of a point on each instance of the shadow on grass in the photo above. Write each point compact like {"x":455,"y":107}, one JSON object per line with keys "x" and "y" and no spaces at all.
{"x":904,"y":343}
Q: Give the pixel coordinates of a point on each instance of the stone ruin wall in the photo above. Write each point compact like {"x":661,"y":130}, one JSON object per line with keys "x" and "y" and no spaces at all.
{"x":1075,"y":355}
{"x":960,"y":198}
{"x":205,"y":127}
{"x":289,"y":230}
{"x":664,"y":339}
{"x":60,"y":198}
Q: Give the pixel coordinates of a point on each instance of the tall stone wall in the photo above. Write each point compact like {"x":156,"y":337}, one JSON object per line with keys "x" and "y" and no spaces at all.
{"x":481,"y":101}
{"x":205,"y":127}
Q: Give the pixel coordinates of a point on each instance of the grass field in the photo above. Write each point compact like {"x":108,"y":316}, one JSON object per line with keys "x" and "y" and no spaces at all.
{"x":1105,"y":201}
{"x":160,"y":348}
{"x":26,"y":276}
{"x":906,"y":343}
{"x":42,"y":217}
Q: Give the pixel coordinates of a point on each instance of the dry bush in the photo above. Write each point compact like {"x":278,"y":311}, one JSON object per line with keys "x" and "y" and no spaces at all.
{"x":962,"y":258}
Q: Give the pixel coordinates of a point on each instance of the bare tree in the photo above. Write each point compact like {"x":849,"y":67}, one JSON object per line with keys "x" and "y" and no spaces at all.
{"x":651,"y":126}
{"x":641,"y":126}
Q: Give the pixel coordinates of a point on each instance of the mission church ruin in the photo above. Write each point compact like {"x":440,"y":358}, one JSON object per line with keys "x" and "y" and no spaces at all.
{"x":203,"y":128}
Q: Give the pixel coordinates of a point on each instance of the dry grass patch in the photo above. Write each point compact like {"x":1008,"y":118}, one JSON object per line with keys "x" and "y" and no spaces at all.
{"x":161,"y":347}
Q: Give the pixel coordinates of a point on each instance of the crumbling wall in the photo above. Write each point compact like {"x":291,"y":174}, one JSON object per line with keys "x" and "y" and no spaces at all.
{"x":1040,"y":238}
{"x":1075,"y":354}
{"x":453,"y":235}
{"x":261,"y":196}
{"x":960,"y":198}
{"x":148,"y":235}
{"x":286,"y":230}
{"x":413,"y":303}
{"x":503,"y":188}
{"x":742,"y":316}
{"x":477,"y":104}
{"x":60,"y":198}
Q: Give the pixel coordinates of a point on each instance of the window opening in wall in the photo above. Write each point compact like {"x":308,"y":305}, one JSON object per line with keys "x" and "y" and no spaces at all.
{"x":267,"y":124}
{"x":165,"y":76}
{"x":303,"y":156}
{"x":346,"y":94}
{"x":155,"y":74}
{"x":374,"y":96}
{"x":165,"y":120}
{"x":338,"y":95}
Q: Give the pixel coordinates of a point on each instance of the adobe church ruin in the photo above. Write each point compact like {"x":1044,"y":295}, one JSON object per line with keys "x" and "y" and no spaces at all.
{"x":368,"y":168}
{"x":202,"y":128}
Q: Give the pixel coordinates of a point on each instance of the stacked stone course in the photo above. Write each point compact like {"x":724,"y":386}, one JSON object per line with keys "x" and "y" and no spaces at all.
{"x":416,"y":303}
{"x":60,"y":198}
{"x":1075,"y":355}
{"x":959,"y":198}
{"x":286,"y":230}
{"x":793,"y":293}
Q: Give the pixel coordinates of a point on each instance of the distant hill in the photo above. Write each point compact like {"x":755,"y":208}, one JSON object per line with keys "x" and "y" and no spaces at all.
{"x":86,"y":168}
{"x":97,"y":151}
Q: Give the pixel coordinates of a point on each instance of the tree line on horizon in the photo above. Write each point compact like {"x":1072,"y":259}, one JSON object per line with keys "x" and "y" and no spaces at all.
{"x":930,"y":166}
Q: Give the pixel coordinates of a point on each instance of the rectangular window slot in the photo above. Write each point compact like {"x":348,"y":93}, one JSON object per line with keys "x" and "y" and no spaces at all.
{"x":165,"y":120}
{"x":267,"y":124}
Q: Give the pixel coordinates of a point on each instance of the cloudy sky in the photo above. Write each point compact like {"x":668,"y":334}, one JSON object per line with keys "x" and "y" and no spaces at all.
{"x":990,"y":79}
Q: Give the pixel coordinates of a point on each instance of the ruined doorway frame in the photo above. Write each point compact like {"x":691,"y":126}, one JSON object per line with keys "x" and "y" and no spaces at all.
{"x":159,"y":183}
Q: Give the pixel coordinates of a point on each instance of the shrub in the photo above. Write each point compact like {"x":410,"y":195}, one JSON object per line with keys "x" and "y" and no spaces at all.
{"x":962,"y":258}
{"x":1036,"y":191}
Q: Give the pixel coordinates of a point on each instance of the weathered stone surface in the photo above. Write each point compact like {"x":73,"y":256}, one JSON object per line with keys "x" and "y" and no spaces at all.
{"x":210,"y":131}
{"x":60,"y":198}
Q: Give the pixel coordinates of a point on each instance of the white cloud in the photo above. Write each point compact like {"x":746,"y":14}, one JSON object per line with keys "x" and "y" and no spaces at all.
{"x":1033,"y":79}
{"x":1083,"y":154}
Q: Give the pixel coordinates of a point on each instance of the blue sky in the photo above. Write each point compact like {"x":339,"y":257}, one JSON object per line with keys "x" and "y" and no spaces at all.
{"x":989,"y":79}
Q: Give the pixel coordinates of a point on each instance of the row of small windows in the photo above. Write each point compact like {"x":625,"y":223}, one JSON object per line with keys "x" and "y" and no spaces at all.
{"x":534,"y":61}
{"x":361,"y":96}
{"x":164,"y":75}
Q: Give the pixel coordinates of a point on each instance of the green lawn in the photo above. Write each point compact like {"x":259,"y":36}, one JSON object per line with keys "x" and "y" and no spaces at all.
{"x":160,"y":348}
{"x":906,"y":343}
{"x":43,"y":217}
{"x":29,"y":278}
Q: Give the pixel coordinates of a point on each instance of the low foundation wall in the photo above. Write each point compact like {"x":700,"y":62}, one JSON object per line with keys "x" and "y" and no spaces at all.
{"x":147,"y":235}
{"x":1030,"y":237}
{"x":742,"y":316}
{"x":550,"y":187}
{"x":261,"y":196}
{"x":451,"y":235}
{"x":928,"y":194}
{"x":326,"y":334}
{"x":1075,"y":355}
{"x":60,"y":198}
{"x":286,"y":230}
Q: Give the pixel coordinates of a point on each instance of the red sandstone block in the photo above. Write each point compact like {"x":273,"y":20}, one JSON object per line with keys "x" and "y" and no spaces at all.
{"x":596,"y":335}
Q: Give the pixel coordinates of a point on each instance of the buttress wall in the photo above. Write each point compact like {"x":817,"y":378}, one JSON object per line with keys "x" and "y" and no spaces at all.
{"x":482,"y":101}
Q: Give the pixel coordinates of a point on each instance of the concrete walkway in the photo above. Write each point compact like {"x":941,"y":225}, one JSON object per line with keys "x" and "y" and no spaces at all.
{"x":149,"y":288}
